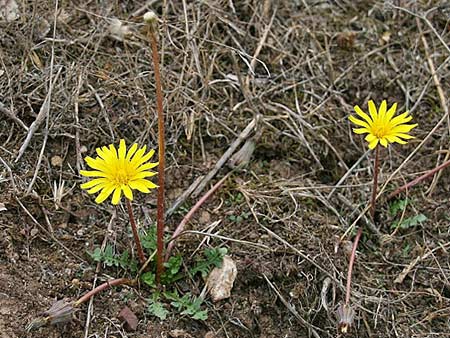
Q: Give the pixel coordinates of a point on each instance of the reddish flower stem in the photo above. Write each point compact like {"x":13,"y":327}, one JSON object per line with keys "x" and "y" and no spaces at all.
{"x":350,"y":267}
{"x":191,"y":212}
{"x":101,"y":287}
{"x":161,"y":159}
{"x":135,"y":232}
{"x":375,"y":183}
{"x":419,"y":179}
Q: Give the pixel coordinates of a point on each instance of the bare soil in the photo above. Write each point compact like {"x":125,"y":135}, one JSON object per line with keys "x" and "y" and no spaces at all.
{"x":299,"y":67}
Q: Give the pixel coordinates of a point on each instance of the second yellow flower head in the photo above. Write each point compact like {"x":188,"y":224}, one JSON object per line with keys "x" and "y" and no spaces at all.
{"x":119,"y":170}
{"x":381,"y":126}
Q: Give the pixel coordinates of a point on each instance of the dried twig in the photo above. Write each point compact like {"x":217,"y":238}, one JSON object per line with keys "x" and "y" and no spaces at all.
{"x":241,"y":137}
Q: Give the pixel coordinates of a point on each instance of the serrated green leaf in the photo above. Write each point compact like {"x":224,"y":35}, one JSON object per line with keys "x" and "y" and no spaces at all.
{"x":398,"y":205}
{"x":157,"y":309}
{"x":149,"y":278}
{"x":200,"y":315}
{"x":96,"y":255}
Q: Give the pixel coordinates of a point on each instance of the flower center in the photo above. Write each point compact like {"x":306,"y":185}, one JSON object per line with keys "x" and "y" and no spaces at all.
{"x":380,"y":130}
{"x":121,"y":176}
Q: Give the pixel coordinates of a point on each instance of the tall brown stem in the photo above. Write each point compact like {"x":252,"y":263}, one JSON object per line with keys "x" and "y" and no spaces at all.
{"x":350,"y":267}
{"x":135,"y":232}
{"x":375,"y":182}
{"x":161,"y":149}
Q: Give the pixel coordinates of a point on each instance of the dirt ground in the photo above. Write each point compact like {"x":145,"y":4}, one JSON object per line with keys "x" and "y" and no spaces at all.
{"x":79,"y":74}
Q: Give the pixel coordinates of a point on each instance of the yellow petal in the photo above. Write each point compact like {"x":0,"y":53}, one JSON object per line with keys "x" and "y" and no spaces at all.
{"x":361,"y":130}
{"x":127,"y":192}
{"x":93,"y":182}
{"x":97,"y":188}
{"x":369,"y":138}
{"x":384,"y":142}
{"x":143,"y":174}
{"x":362,"y":114}
{"x":403,"y":128}
{"x":358,"y":122}
{"x":142,"y":185}
{"x":89,"y":173}
{"x":143,"y":159}
{"x":147,"y":166}
{"x":392,"y":138}
{"x":131,"y":151}
{"x":400,"y":119}
{"x":116,"y":195}
{"x":382,"y":110}
{"x":122,"y":149}
{"x":390,"y":113}
{"x":373,"y":144}
{"x":137,"y":156}
{"x":104,"y":194}
{"x":97,"y":164}
{"x":405,"y":136}
{"x":113,"y":152}
{"x":373,"y":110}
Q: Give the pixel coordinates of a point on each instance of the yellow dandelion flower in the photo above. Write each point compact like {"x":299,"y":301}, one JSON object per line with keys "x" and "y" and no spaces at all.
{"x":381,"y":126}
{"x":116,"y":170}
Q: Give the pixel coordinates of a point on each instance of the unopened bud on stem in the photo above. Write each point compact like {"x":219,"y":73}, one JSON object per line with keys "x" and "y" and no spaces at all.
{"x":150,"y":17}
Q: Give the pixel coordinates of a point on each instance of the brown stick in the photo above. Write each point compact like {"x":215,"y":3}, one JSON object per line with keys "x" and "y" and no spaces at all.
{"x":350,"y":267}
{"x":188,"y":216}
{"x":102,"y":287}
{"x":161,"y":150}
{"x":419,"y":179}
{"x":135,"y":232}
{"x":375,"y":183}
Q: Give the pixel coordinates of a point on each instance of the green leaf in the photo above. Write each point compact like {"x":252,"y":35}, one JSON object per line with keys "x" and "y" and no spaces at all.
{"x":173,"y":264}
{"x":201,"y":315}
{"x":96,"y":255}
{"x":149,"y":278}
{"x":410,"y":222}
{"x":214,"y":257}
{"x":148,"y":240}
{"x":157,"y":309}
{"x":398,"y":205}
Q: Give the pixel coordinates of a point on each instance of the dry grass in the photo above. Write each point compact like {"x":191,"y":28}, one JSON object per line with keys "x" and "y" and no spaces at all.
{"x":299,"y":67}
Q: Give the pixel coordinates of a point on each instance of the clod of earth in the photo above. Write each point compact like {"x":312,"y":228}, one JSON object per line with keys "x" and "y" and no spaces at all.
{"x":128,"y":318}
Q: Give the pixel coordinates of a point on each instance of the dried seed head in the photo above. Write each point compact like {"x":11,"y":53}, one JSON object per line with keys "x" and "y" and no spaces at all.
{"x":150,"y":17}
{"x":346,"y":315}
{"x":60,"y":312}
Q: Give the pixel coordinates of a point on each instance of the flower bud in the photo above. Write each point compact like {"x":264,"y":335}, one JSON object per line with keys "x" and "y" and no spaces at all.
{"x":150,"y":17}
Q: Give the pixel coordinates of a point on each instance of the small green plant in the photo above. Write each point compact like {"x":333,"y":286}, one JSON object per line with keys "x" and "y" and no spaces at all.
{"x":187,"y":305}
{"x":399,"y":206}
{"x":409,"y":222}
{"x":111,"y":259}
{"x":213,"y":258}
{"x":156,"y":308}
{"x":239,"y":218}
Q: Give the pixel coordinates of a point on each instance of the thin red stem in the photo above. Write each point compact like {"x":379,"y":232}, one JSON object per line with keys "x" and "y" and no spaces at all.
{"x":191,"y":212}
{"x":375,"y":182}
{"x":161,"y":165}
{"x":102,"y":287}
{"x":350,"y":267}
{"x":419,"y":179}
{"x":135,"y":232}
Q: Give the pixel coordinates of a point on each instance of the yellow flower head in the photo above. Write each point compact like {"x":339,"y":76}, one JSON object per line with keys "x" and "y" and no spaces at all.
{"x":119,"y":170}
{"x":381,"y":126}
